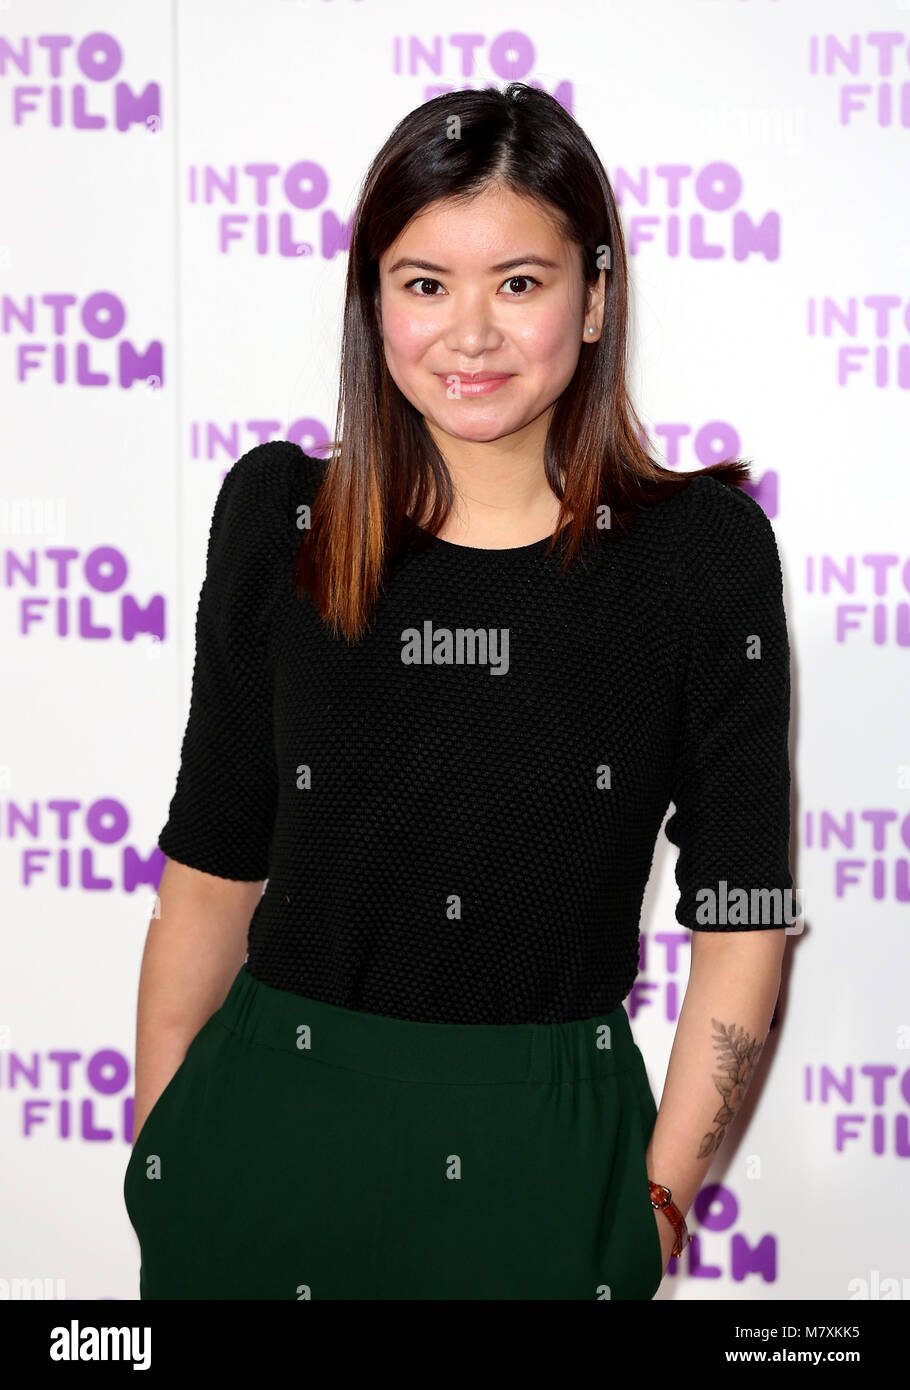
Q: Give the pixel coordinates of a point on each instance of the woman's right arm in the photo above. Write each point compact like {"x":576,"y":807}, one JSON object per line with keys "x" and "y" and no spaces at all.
{"x":217,"y":838}
{"x":192,"y":953}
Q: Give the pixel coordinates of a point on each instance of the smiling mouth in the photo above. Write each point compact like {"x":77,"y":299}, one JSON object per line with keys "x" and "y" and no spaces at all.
{"x":478,"y":384}
{"x":472,"y":378}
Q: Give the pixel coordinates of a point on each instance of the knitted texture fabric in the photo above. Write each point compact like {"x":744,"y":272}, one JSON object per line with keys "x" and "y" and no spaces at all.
{"x":468,"y":841}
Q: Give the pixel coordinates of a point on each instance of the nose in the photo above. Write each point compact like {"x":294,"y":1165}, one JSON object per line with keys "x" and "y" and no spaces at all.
{"x":472,"y":330}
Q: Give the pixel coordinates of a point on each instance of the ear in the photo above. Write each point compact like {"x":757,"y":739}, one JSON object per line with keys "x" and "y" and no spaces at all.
{"x":596,"y":298}
{"x":377,"y":308}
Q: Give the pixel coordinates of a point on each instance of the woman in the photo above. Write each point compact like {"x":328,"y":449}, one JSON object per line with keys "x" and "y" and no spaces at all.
{"x":446,"y":686}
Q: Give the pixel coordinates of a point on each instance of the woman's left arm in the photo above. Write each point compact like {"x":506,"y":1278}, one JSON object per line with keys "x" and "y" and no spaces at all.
{"x":734,"y":980}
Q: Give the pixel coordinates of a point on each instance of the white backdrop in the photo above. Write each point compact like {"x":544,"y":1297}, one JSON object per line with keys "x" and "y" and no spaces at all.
{"x":177,"y":184}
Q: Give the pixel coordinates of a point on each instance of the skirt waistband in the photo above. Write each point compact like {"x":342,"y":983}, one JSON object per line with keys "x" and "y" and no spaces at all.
{"x":459,"y":1053}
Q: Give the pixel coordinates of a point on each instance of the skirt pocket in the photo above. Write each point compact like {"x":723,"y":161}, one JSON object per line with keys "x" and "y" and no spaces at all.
{"x":134,"y":1178}
{"x":652,"y":1237}
{"x":645,"y":1115}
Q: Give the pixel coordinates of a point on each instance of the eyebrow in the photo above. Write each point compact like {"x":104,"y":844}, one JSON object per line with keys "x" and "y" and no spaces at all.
{"x":502,"y":266}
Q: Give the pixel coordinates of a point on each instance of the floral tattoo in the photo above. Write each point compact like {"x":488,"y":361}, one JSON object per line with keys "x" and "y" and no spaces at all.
{"x":738,"y":1053}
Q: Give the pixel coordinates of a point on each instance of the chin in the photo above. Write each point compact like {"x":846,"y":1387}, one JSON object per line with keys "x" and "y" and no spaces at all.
{"x":481,"y":432}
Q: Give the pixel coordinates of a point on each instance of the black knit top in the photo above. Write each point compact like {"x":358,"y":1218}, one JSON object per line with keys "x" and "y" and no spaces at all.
{"x":450,"y":840}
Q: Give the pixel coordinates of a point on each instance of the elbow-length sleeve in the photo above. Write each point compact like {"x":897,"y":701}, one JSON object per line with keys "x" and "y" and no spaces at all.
{"x":222,"y":813}
{"x":731,"y":773}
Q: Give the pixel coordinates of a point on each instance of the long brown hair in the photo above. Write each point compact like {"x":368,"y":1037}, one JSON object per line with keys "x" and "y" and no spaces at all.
{"x":384,"y":468}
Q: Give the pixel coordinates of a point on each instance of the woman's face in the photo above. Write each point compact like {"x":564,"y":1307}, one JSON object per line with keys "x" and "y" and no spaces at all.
{"x":485,"y":287}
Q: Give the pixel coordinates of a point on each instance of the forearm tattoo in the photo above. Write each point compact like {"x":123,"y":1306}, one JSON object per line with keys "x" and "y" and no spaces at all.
{"x":738,"y":1053}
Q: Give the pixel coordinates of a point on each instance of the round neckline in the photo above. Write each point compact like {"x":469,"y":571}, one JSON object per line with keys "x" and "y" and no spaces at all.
{"x":503,"y":552}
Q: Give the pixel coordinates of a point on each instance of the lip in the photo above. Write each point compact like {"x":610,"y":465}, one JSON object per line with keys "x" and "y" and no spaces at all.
{"x":476,"y":383}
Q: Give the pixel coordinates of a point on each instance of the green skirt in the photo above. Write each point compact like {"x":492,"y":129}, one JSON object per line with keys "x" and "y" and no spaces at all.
{"x":302,"y":1150}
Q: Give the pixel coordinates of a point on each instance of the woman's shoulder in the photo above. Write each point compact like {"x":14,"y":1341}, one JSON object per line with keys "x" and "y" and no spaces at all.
{"x":256,"y":521}
{"x":708,"y":501}
{"x":725,"y":542}
{"x":717,"y":522}
{"x":703,"y":512}
{"x":261,"y":499}
{"x":275,"y":471}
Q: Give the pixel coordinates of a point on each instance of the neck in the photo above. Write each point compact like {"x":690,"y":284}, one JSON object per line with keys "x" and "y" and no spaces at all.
{"x":502,"y":497}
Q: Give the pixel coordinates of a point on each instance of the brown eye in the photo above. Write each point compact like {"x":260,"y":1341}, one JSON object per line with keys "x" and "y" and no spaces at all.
{"x":516,"y":280}
{"x":424,"y":280}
